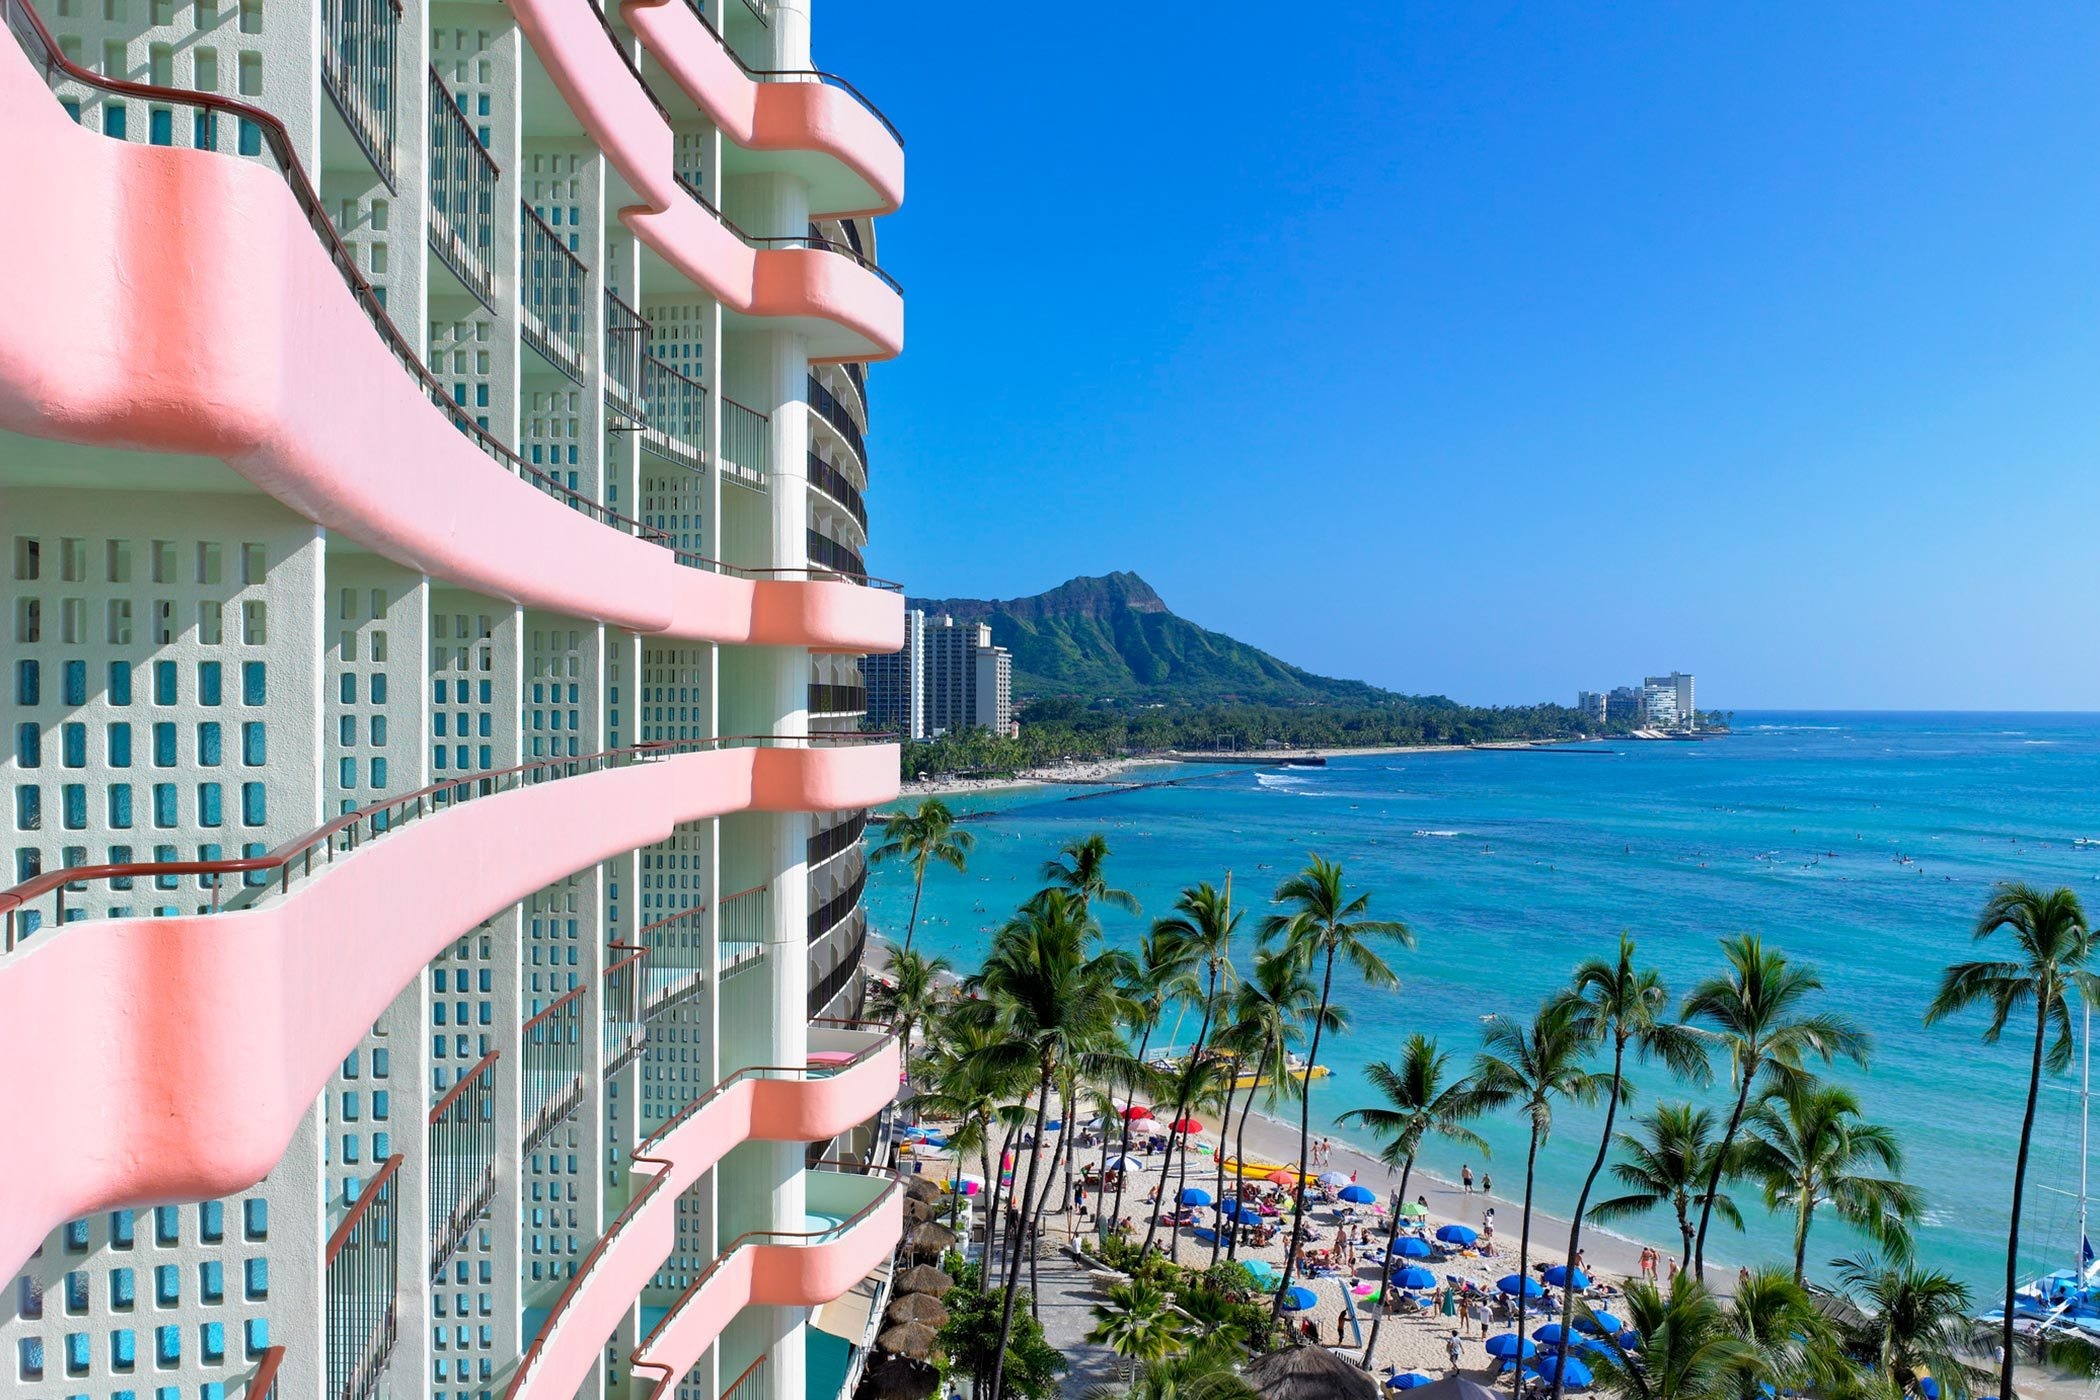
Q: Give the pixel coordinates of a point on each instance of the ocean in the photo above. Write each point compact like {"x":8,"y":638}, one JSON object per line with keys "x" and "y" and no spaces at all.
{"x":1864,"y":844}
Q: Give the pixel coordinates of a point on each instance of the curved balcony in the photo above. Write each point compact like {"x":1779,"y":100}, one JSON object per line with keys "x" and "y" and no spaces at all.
{"x":855,"y":1078}
{"x":213,"y":1031}
{"x":185,"y":305}
{"x":856,"y":164}
{"x":845,"y":307}
{"x":854,"y":1224}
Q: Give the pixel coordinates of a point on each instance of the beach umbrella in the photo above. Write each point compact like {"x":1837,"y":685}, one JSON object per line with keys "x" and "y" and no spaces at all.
{"x":917,"y":1210}
{"x":1560,"y":1276}
{"x":916,"y":1307}
{"x":1630,"y":1340}
{"x":1309,"y":1373}
{"x":931,"y":1241}
{"x":1929,"y":1388}
{"x":1460,"y":1235}
{"x":1055,"y":1125}
{"x":1550,"y":1335}
{"x":1571,"y":1372}
{"x":1124,"y":1164}
{"x":1599,"y":1322}
{"x":913,"y":1339}
{"x":1506,"y":1346}
{"x":1332,"y":1178}
{"x":1414,"y":1210}
{"x":1136,"y":1111}
{"x":1298,"y":1298}
{"x":1281,"y":1177}
{"x":1411,"y":1247}
{"x":1413,"y":1276}
{"x":1195,"y":1196}
{"x":1407,"y":1380}
{"x":1513,"y":1285}
{"x":901,"y":1378}
{"x":922,"y":1278}
{"x":1229,"y":1209}
{"x":920,"y":1188}
{"x":1358,"y":1195}
{"x":1187,"y":1125}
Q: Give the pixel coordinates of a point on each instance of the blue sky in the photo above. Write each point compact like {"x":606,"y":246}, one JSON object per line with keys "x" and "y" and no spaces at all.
{"x":1503,"y":350}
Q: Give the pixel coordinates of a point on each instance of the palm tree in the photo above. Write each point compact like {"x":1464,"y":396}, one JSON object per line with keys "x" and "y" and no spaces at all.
{"x":1807,"y":1146}
{"x":959,"y":1085}
{"x":1789,"y":1346}
{"x":1080,"y":869}
{"x":1687,"y":1350}
{"x":915,"y":995}
{"x":1201,"y":930}
{"x":922,"y":836}
{"x":1160,"y":973}
{"x":1669,"y":1163}
{"x":1756,"y":1012}
{"x":1418,"y":1103}
{"x":1199,"y":1086}
{"x":1138,"y":1324}
{"x":1532,"y":1067}
{"x":1052,"y":1005}
{"x":1323,"y":922}
{"x":1269,"y":1011}
{"x":2054,"y":945}
{"x":1909,"y":1322}
{"x":1627,"y":1007}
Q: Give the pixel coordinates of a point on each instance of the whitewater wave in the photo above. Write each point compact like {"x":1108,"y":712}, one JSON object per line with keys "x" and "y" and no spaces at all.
{"x":1445,"y":834}
{"x":1282,"y":781}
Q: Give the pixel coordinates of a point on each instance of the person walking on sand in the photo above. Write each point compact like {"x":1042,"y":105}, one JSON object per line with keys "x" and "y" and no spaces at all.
{"x":1465,"y":1178}
{"x":1454,"y":1348}
{"x":1341,"y":1325}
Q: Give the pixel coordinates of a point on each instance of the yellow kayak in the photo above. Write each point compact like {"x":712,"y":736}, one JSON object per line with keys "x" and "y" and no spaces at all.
{"x":1260,"y":1170}
{"x":1261,"y":1081}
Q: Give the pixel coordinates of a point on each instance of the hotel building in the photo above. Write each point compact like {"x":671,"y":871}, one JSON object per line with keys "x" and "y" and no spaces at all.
{"x":432,"y":470}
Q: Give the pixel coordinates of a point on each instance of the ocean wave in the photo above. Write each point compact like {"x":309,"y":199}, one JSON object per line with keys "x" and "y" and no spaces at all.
{"x":1440,"y":833}
{"x":2038,"y":741}
{"x":1281,"y":780}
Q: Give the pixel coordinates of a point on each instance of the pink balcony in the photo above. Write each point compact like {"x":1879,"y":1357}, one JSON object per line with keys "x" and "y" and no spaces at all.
{"x":211,"y":1032}
{"x":795,"y":1104}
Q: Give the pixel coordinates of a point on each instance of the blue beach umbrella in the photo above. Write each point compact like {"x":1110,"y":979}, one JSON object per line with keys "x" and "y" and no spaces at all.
{"x":1598,"y":1323}
{"x":1229,"y":1209}
{"x":1578,"y":1375}
{"x":1630,"y":1340}
{"x":1506,"y":1345}
{"x":1406,"y":1380}
{"x":1413,"y":1276}
{"x":1550,"y":1335}
{"x":1195,"y":1196}
{"x":1298,"y":1299}
{"x":1460,"y":1235}
{"x":1361,"y":1196}
{"x":1408,"y":1247}
{"x":1929,"y":1388}
{"x":1511,"y":1284}
{"x":1560,"y":1277}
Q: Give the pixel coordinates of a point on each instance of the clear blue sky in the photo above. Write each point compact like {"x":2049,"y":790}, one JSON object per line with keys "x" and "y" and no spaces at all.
{"x":1503,"y":350}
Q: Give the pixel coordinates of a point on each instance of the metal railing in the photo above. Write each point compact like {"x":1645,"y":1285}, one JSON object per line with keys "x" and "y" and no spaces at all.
{"x":262,"y":1382}
{"x":462,"y":194}
{"x":462,"y":1138}
{"x":260,"y":875}
{"x":858,"y":373}
{"x":257,"y":133}
{"x":626,"y":335}
{"x":747,"y":438}
{"x":829,"y":698}
{"x":624,"y":1016}
{"x":830,"y":841}
{"x":833,"y":483}
{"x":646,"y":1192}
{"x":359,"y":39}
{"x":828,"y":554}
{"x":362,"y":1265}
{"x":833,"y":911}
{"x":552,"y":285}
{"x":826,"y":405}
{"x":674,"y":425}
{"x":627,"y":57}
{"x":827,"y":987}
{"x":811,"y":240}
{"x":797,"y":75}
{"x":553,"y":1060}
{"x":750,"y":1383}
{"x":677,"y":945}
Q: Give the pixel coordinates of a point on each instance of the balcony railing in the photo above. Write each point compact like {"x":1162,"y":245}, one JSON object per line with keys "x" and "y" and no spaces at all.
{"x":363,"y":1263}
{"x":830,"y":841}
{"x":826,"y":405}
{"x":747,"y":439}
{"x":750,"y":1384}
{"x":253,"y":877}
{"x":625,"y":1015}
{"x":462,"y":1134}
{"x":833,"y":483}
{"x":797,"y":75}
{"x":462,"y":195}
{"x":359,"y":39}
{"x":829,"y":698}
{"x":626,"y":337}
{"x":677,"y":945}
{"x":826,"y":553}
{"x":811,"y":240}
{"x":552,"y":285}
{"x":826,"y":988}
{"x":858,"y":373}
{"x":250,"y":131}
{"x":833,"y":911}
{"x":262,"y":1382}
{"x":553,"y":1051}
{"x":674,"y":426}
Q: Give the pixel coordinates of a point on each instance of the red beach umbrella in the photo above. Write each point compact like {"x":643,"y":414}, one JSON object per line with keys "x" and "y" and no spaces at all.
{"x":1137,"y":1111}
{"x":1187,"y":1125}
{"x":1282,"y":1177}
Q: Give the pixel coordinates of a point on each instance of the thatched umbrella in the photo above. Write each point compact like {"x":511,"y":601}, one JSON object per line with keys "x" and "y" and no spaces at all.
{"x":1309,"y":1373}
{"x":931,"y":1241}
{"x":922,"y":1278}
{"x":911,"y":1339}
{"x":899,"y":1378}
{"x":920,"y":1188}
{"x":916,"y":1211}
{"x":916,"y":1307}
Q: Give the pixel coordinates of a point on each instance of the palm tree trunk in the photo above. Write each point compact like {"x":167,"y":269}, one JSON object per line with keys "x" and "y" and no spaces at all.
{"x":1582,"y":1199}
{"x":1312,"y":1058}
{"x":1392,"y":1237}
{"x":1802,"y":1213}
{"x":1531,"y":1160}
{"x":2012,"y":1240}
{"x":918,"y":888}
{"x":1166,"y":1171}
{"x":1217,"y":1238}
{"x":1713,"y":1180}
{"x":1239,"y":1147}
{"x":1684,"y":1230}
{"x":1123,"y":1128}
{"x":1013,"y":1266}
{"x":991,"y":1219}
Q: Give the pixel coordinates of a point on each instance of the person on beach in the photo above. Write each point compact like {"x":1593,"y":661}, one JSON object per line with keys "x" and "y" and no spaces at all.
{"x":1465,"y":1178}
{"x":1341,"y":1325}
{"x":1454,"y":1348}
{"x":1673,"y":1271}
{"x":1487,"y":1184}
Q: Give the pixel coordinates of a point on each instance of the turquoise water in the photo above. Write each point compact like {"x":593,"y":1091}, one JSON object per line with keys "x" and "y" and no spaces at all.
{"x":1862,"y":843}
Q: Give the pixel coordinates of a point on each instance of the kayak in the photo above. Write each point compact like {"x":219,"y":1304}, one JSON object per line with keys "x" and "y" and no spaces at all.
{"x":1257,"y":1170}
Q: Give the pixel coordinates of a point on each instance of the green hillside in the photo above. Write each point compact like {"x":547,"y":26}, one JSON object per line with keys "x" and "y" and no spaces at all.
{"x":1114,"y":638}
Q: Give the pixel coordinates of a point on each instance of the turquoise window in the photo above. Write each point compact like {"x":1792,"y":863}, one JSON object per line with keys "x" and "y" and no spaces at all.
{"x":167,"y":1225}
{"x":29,"y":746}
{"x":28,"y":683}
{"x":160,"y":127}
{"x":164,"y":745}
{"x":74,"y":798}
{"x":164,"y":808}
{"x":118,"y":738}
{"x":254,"y":811}
{"x":211,"y":1281}
{"x":29,"y":807}
{"x":120,"y":682}
{"x":72,"y":739}
{"x":211,"y":683}
{"x":211,"y":1221}
{"x":254,"y":691}
{"x":210,"y":808}
{"x":120,"y":806}
{"x":76,"y":682}
{"x":167,"y":1285}
{"x":253,"y":747}
{"x":257,"y":1331}
{"x":163,"y":682}
{"x":210,"y":744}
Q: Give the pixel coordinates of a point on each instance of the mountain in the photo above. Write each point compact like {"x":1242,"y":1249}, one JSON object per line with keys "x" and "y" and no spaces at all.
{"x":1115,"y":638}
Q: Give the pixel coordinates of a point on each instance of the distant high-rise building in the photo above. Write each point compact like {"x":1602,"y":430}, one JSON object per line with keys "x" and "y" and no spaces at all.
{"x":1591,"y":705}
{"x":897,"y":683}
{"x":1666,"y":701}
{"x":1624,"y":702}
{"x":968,"y":681}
